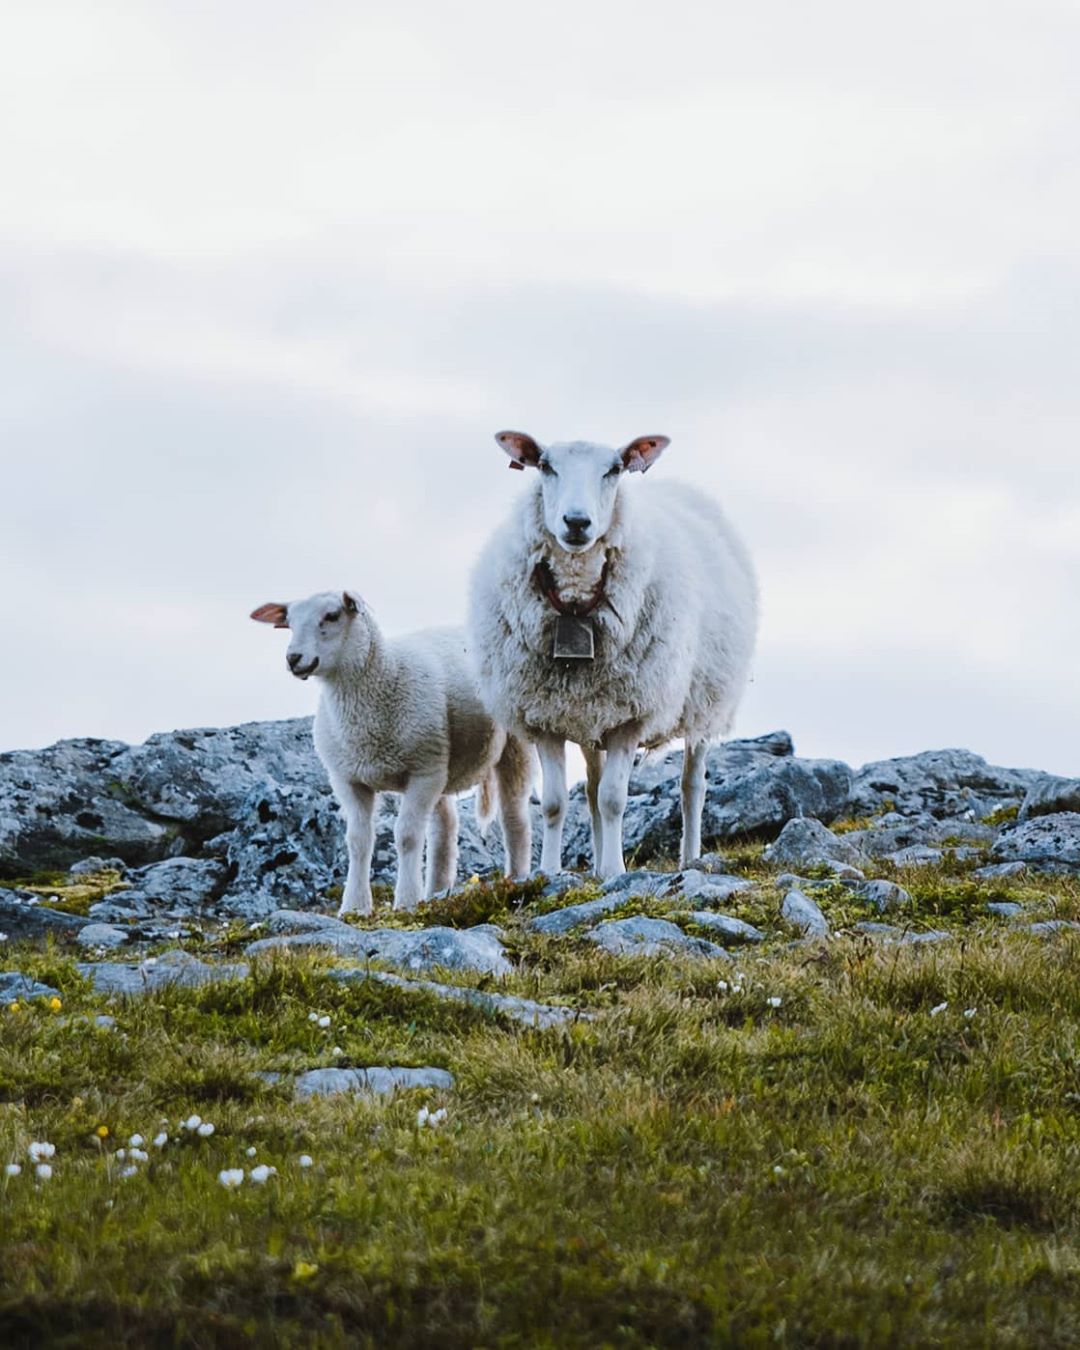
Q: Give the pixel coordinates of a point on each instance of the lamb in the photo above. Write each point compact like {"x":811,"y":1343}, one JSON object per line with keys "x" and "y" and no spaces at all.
{"x":613,"y":623}
{"x":403,"y":716}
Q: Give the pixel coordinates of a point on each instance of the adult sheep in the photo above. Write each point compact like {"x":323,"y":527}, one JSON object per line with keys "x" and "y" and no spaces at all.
{"x":612,"y":623}
{"x":403,"y":716}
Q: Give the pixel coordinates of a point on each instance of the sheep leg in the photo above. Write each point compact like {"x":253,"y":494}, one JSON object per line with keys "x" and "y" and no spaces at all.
{"x":594,"y":768}
{"x":611,"y":798}
{"x":442,"y":847}
{"x":417,"y":803}
{"x":553,"y":801}
{"x":513,"y":774}
{"x":693,"y":799}
{"x":358,"y":805}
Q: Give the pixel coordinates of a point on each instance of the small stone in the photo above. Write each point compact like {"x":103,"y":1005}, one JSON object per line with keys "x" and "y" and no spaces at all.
{"x":639,"y":936}
{"x":883,"y":895}
{"x":999,"y":871}
{"x":804,"y":914}
{"x":807,"y":843}
{"x":1004,"y":909}
{"x":726,"y":926}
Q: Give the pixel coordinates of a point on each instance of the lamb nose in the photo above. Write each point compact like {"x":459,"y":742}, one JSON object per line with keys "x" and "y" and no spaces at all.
{"x":577,"y":522}
{"x":294,"y":659}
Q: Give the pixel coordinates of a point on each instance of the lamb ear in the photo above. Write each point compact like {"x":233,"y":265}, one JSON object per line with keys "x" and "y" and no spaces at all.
{"x":643,"y":453}
{"x":273,"y":613}
{"x":521,"y":448}
{"x":351,"y":603}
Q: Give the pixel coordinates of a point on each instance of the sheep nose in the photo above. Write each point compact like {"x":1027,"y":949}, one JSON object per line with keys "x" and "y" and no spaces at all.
{"x":576,"y":523}
{"x":294,"y":659}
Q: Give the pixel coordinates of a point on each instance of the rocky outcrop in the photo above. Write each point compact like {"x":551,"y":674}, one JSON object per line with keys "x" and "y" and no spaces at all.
{"x":1047,"y":843}
{"x":940,"y":783}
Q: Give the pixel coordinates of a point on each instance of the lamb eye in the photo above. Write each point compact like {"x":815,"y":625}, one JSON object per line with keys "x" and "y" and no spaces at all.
{"x":333,"y":618}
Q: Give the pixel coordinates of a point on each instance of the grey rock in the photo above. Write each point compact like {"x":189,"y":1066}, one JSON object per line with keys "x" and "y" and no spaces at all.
{"x":60,"y":804}
{"x":177,"y":886}
{"x":805,"y":842}
{"x":1004,"y":909}
{"x":471,"y":949}
{"x":706,"y":887}
{"x":726,"y":926}
{"x":804,"y":914}
{"x":887,"y":932}
{"x":714,"y":863}
{"x":883,"y":895}
{"x":559,"y":921}
{"x":638,"y":936}
{"x":92,"y":866}
{"x":15,"y":986}
{"x":999,"y":871}
{"x":560,"y":884}
{"x":918,"y":855}
{"x":750,"y":790}
{"x":22,"y":917}
{"x":380,"y":1081}
{"x":945,"y":783}
{"x":637,"y":883}
{"x":540,"y":1016}
{"x":1049,"y":795}
{"x":101,"y":935}
{"x":894,"y":833}
{"x":1045,"y":843}
{"x":174,"y":968}
{"x":115,"y":910}
{"x":1050,"y":927}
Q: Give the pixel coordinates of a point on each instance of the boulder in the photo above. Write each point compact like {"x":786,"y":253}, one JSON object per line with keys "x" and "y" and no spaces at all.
{"x":805,"y":842}
{"x":539,"y":1016}
{"x":22,"y":916}
{"x":15,"y":987}
{"x":638,"y":936}
{"x":1044,"y":843}
{"x":559,"y":921}
{"x":943,"y":783}
{"x":1049,"y":795}
{"x":101,"y":935}
{"x":467,"y":949}
{"x":883,"y":895}
{"x":179,"y":886}
{"x":804,"y":914}
{"x":173,"y":968}
{"x":726,"y":926}
{"x":705,"y":888}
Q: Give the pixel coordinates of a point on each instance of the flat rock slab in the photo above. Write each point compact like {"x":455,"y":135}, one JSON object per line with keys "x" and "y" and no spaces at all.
{"x":1004,"y":909}
{"x":380,"y":1081}
{"x":522,"y":1010}
{"x":173,"y":969}
{"x":901,"y":937}
{"x":705,"y":888}
{"x":804,"y":914}
{"x":942,"y":783}
{"x":471,"y":949}
{"x":1000,"y":871}
{"x":1049,"y":796}
{"x":17,"y":987}
{"x":726,"y":926}
{"x":101,"y":935}
{"x":559,"y":921}
{"x":638,"y":936}
{"x":637,"y":883}
{"x":23,"y":917}
{"x":1050,"y":927}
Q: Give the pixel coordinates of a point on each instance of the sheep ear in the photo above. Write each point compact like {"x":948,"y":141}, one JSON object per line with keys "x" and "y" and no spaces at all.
{"x":643,"y":453}
{"x":276,"y":614}
{"x":350,"y":603}
{"x":522,"y":449}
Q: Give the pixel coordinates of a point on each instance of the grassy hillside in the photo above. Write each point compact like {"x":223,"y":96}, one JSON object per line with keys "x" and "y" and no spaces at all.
{"x":863,"y":1145}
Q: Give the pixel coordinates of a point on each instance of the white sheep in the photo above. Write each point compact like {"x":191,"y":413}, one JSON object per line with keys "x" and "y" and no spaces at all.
{"x":663,"y":589}
{"x":403,"y":716}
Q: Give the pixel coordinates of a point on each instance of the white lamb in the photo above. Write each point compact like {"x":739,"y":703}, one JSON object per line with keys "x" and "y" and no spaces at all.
{"x":664,"y":590}
{"x":403,"y":716}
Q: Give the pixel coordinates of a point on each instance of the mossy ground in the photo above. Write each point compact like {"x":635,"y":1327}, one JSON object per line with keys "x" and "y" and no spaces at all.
{"x":693,"y":1166}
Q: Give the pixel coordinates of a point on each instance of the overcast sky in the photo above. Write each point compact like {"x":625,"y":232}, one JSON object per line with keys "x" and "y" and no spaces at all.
{"x":272,"y":274}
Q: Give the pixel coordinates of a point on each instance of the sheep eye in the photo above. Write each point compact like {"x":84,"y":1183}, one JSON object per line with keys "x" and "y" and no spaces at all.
{"x":333,"y":618}
{"x":613,"y":472}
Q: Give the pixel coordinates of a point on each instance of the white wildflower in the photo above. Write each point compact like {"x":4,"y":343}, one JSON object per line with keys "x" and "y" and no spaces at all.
{"x":136,"y":1141}
{"x":262,"y":1173}
{"x":969,"y":1013}
{"x":251,"y":1152}
{"x":304,"y":1160}
{"x":939,"y":1009}
{"x":313,"y":1017}
{"x":137,"y":1155}
{"x":13,"y":1169}
{"x":778,"y":1170}
{"x":192,"y":1123}
{"x":422,"y":1117}
{"x":160,"y":1140}
{"x":121,"y":1153}
{"x":205,"y":1130}
{"x":38,"y":1151}
{"x":324,"y":1021}
{"x":44,"y":1171}
{"x":722,"y":985}
{"x":129,"y":1171}
{"x":3,"y":937}
{"x":337,"y":1050}
{"x":231,"y":1177}
{"x":438,"y":1117}
{"x":774,"y":1002}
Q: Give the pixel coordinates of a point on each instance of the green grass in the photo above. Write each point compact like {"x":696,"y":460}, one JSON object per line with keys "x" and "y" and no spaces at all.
{"x":692,"y":1166}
